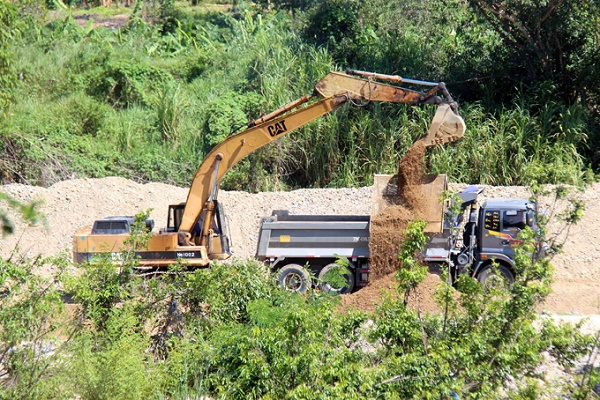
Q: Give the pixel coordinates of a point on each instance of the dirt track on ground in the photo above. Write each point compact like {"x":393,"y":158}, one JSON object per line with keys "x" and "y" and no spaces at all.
{"x":72,"y":204}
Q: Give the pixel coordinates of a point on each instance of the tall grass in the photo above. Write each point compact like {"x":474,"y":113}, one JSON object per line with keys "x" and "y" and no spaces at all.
{"x":515,"y":147}
{"x":149,"y":104}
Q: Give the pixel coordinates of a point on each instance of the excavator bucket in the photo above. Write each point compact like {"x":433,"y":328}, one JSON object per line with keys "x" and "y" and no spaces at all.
{"x":386,"y":194}
{"x":446,"y":126}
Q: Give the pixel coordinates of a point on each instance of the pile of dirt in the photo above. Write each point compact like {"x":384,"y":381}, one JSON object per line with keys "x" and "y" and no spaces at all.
{"x":387,"y":227}
{"x":72,"y":204}
{"x":386,"y":237}
{"x":386,"y":286}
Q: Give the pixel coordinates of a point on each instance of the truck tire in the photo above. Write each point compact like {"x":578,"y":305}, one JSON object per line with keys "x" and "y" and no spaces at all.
{"x":494,"y":275}
{"x":343,"y":290}
{"x":294,"y":277}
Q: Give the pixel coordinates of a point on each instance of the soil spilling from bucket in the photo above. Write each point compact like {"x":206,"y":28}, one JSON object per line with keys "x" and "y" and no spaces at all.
{"x":388,"y":226}
{"x":387,"y":235}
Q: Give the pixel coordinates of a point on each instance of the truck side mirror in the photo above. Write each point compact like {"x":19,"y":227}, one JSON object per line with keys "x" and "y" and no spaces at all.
{"x":149,"y":224}
{"x":530,"y":218}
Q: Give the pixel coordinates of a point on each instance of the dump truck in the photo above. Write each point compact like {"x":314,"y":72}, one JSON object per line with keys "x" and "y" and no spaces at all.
{"x":196,"y":231}
{"x":478,"y":240}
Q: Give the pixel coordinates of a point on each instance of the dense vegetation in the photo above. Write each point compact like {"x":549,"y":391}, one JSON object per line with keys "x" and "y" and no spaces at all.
{"x":148,"y":101}
{"x":229,"y":332}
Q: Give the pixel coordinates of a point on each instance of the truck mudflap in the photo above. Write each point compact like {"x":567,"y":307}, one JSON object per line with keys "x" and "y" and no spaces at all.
{"x":362,"y":275}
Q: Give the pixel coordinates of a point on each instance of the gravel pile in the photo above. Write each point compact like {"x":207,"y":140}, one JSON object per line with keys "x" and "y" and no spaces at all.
{"x":70,"y":205}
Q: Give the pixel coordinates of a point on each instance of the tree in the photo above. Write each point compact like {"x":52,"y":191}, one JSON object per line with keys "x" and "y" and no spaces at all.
{"x":554,"y":40}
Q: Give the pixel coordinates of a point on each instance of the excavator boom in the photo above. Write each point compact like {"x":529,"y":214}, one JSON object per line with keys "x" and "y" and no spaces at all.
{"x":196,"y":228}
{"x":333,"y":90}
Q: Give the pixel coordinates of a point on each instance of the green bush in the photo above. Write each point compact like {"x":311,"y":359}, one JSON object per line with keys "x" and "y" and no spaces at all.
{"x":222,"y":293}
{"x":228,"y":331}
{"x":31,"y":328}
{"x":88,"y":114}
{"x":227,"y":114}
{"x":124,"y":84}
{"x":113,"y":364}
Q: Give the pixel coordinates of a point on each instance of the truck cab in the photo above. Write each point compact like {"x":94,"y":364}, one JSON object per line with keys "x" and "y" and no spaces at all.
{"x":484,"y":244}
{"x":500,"y":221}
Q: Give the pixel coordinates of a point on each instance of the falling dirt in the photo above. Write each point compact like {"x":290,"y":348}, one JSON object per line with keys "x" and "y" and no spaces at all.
{"x":386,"y":237}
{"x":410,"y":177}
{"x":388,"y":226}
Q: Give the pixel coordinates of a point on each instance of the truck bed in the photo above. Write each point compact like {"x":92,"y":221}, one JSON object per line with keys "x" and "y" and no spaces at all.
{"x":313,"y":236}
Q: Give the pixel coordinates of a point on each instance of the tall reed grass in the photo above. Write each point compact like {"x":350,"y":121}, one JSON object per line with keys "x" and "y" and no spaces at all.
{"x":149,"y":104}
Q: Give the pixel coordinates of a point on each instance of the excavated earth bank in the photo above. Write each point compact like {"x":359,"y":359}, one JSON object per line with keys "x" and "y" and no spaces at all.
{"x":72,"y":204}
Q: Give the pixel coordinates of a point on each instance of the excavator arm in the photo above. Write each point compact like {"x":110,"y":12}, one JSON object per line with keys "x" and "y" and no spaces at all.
{"x":331,"y":92}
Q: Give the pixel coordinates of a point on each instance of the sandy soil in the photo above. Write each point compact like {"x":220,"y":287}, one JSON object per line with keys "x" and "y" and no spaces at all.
{"x":113,"y":22}
{"x":72,"y":204}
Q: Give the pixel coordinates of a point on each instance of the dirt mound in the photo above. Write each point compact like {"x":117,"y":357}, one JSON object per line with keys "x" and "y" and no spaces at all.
{"x":380,"y":288}
{"x":72,"y":204}
{"x":387,"y":226}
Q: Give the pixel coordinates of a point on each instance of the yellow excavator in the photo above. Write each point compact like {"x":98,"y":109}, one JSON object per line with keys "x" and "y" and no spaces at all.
{"x":196,"y":230}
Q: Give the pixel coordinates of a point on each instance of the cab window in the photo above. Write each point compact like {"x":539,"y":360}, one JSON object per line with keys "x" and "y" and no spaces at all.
{"x":514,"y":219}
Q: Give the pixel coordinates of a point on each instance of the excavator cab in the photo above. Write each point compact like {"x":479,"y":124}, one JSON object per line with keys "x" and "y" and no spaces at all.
{"x":174,"y":217}
{"x":218,"y":236}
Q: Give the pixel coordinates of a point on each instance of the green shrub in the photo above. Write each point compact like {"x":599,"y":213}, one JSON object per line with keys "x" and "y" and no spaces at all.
{"x":225,"y":115}
{"x":229,"y":332}
{"x":222,"y":293}
{"x":88,"y":114}
{"x":123,"y":83}
{"x":32,"y":328}
{"x":113,"y":364}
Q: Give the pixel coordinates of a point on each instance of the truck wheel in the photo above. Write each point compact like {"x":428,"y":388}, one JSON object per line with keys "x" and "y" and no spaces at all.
{"x":294,"y":277}
{"x":330,"y":289}
{"x":493,"y":275}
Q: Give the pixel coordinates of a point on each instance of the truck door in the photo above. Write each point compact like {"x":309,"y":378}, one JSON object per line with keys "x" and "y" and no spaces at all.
{"x":512,"y":223}
{"x":490,"y":242}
